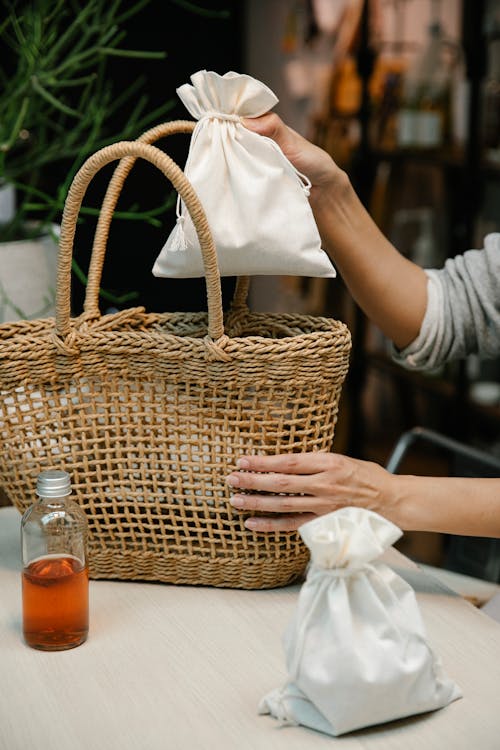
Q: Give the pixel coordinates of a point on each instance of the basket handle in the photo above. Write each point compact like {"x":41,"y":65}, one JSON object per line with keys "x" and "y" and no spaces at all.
{"x":72,"y":206}
{"x":91,"y":304}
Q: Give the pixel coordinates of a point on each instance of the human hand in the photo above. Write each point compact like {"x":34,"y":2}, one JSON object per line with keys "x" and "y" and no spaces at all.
{"x":309,"y":159}
{"x":315,"y":483}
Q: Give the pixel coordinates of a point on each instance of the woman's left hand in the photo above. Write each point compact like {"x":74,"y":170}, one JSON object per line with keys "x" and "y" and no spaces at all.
{"x":306,"y":485}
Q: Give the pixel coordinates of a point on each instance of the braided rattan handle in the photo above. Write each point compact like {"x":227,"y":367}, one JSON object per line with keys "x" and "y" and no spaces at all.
{"x":115,"y":186}
{"x":72,"y":206}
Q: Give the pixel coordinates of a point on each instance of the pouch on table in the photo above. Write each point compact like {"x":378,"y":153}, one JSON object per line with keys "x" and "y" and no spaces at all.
{"x":255,"y":200}
{"x":356,"y":648}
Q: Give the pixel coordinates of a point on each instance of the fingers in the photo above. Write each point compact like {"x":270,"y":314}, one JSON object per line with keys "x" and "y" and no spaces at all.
{"x":305,"y":156}
{"x":272,"y":503}
{"x":273,"y":127}
{"x":293,"y":511}
{"x":293,"y":145}
{"x":282,"y":523}
{"x":288,"y":463}
{"x":271,"y":482}
{"x":281,"y":504}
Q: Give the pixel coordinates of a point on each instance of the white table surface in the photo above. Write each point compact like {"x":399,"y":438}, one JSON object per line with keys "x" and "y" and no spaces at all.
{"x":174,"y":668}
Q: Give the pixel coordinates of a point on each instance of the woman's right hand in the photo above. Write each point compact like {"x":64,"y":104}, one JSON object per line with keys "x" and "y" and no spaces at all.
{"x":309,"y":159}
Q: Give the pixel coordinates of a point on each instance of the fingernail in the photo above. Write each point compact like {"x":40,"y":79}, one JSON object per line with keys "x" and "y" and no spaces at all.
{"x":243,"y":463}
{"x":237,"y":501}
{"x":250,"y":523}
{"x":233,"y":480}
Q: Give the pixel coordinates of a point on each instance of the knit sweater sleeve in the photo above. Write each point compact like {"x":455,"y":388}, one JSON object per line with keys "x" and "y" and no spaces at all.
{"x":463,"y":310}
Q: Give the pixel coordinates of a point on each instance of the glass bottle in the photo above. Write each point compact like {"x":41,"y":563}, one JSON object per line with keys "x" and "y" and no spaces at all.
{"x":55,"y":573}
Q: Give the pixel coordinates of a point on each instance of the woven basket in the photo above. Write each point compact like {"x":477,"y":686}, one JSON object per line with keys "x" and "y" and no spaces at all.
{"x":149,"y":412}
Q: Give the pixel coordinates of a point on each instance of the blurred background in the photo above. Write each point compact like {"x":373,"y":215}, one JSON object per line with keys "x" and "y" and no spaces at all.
{"x":404,"y":94}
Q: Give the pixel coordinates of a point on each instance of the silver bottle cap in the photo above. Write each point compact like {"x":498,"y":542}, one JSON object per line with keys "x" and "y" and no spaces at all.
{"x":53,"y":483}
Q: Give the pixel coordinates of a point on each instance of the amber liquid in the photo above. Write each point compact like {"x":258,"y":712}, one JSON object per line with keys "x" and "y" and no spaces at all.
{"x":55,"y":603}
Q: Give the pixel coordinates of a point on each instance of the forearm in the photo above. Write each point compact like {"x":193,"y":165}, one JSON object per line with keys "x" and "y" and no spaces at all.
{"x":448,"y":504}
{"x":390,"y":289}
{"x":299,"y":487}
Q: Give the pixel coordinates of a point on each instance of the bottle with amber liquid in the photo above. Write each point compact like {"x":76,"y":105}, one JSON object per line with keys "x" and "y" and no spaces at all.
{"x":55,"y":573}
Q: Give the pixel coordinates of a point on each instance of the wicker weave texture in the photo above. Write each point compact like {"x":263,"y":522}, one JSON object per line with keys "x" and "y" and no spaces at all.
{"x":148,"y":425}
{"x":149,"y":412}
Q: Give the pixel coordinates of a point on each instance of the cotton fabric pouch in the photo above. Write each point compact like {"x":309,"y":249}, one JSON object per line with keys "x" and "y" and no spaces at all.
{"x":255,"y":200}
{"x":356,"y":649}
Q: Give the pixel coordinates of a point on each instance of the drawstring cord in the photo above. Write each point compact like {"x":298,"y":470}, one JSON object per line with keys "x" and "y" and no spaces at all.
{"x":211,"y":115}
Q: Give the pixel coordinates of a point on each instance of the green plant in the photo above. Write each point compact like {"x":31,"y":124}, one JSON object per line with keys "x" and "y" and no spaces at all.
{"x":58,"y":100}
{"x":59,"y":104}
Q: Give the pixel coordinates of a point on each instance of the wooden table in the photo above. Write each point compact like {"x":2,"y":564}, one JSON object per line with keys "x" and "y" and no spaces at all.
{"x":174,"y":668}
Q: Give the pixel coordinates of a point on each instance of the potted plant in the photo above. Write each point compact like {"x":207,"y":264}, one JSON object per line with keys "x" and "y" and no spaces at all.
{"x":57,"y":105}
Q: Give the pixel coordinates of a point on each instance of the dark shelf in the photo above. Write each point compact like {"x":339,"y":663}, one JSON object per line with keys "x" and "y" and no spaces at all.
{"x":452,"y":158}
{"x":437,"y":385}
{"x":440,"y":386}
{"x":484,"y":411}
{"x":491,"y":169}
{"x":466,"y":170}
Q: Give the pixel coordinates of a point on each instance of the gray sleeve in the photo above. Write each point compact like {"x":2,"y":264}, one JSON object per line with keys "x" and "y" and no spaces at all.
{"x":463,"y":310}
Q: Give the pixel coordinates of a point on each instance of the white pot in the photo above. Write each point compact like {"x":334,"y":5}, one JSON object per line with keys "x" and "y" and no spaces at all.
{"x":7,"y":202}
{"x":28,"y":271}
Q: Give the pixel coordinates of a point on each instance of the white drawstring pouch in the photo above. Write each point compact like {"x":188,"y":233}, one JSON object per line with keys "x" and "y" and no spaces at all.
{"x":255,"y":200}
{"x":356,"y":649}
